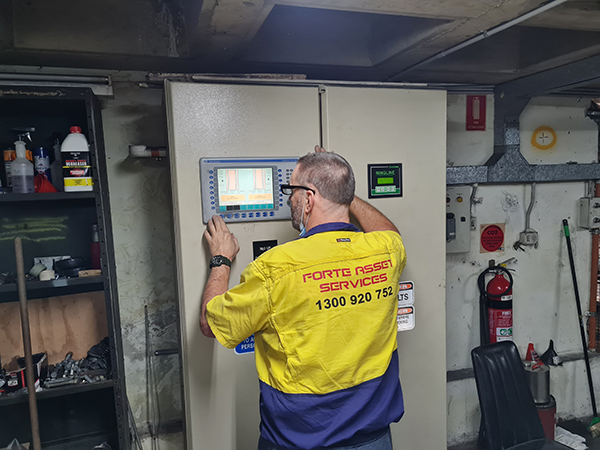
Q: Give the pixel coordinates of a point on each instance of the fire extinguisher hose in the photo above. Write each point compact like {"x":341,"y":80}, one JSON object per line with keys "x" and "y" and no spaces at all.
{"x":485,"y":301}
{"x":595,"y":419}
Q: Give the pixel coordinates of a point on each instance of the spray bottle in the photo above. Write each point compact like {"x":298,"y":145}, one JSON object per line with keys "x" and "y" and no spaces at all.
{"x":22,"y":170}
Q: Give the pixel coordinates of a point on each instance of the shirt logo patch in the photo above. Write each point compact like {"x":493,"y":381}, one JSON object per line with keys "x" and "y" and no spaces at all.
{"x":344,"y":240}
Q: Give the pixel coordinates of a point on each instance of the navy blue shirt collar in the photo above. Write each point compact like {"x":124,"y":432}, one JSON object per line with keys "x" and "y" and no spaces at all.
{"x":331,"y":226}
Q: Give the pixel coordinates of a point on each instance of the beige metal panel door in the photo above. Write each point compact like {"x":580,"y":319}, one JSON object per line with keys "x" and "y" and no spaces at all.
{"x":207,"y":120}
{"x":369,"y":125}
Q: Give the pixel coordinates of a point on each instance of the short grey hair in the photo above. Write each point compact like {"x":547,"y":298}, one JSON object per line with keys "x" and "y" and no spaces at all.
{"x":330,"y":173}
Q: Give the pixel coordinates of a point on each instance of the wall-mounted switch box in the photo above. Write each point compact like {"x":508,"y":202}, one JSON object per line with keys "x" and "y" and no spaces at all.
{"x":458,"y":219}
{"x":589,"y":212}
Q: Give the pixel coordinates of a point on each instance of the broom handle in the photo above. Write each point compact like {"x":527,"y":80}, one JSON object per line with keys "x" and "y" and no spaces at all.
{"x":581,"y":325}
{"x":33,"y":412}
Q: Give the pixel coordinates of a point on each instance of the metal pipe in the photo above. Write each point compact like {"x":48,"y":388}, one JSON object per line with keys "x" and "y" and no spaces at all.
{"x":528,"y":214}
{"x":483,"y":35}
{"x":304,"y":82}
{"x":33,"y":413}
{"x":594,"y":282}
{"x":49,"y":77}
{"x":157,"y":81}
{"x":581,"y":326}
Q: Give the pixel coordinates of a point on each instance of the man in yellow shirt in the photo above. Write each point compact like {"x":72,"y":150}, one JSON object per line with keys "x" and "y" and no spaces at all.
{"x":323,"y":311}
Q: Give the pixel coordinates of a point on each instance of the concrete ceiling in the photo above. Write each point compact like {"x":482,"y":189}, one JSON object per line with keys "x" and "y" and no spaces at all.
{"x":366,"y":40}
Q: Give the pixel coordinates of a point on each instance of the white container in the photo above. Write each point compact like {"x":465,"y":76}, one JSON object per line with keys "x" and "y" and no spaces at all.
{"x":77,"y":168}
{"x":22,"y":171}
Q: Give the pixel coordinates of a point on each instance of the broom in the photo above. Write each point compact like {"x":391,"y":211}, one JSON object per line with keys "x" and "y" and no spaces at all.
{"x":594,"y":427}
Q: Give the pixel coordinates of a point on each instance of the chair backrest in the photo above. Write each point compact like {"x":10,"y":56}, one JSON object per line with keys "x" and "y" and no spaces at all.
{"x":509,"y":414}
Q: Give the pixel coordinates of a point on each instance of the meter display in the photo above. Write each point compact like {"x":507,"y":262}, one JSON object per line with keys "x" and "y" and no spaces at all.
{"x":385,"y":180}
{"x":245,"y":189}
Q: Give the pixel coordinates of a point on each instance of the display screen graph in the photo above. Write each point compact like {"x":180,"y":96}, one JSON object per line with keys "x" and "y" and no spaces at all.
{"x":245,"y":189}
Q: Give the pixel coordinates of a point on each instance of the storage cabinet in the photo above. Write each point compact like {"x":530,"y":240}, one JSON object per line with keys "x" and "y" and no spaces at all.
{"x":69,"y":314}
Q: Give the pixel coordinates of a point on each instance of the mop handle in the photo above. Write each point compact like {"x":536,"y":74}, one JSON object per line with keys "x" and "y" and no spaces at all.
{"x":581,"y":325}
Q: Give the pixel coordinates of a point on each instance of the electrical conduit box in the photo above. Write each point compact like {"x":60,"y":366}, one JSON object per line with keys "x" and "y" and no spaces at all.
{"x":589,"y":212}
{"x":245,"y":189}
{"x":458,"y":219}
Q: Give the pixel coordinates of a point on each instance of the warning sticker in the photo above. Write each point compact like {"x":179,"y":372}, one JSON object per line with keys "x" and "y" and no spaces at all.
{"x":492,"y":238}
{"x":406,"y":318}
{"x":406,"y":294}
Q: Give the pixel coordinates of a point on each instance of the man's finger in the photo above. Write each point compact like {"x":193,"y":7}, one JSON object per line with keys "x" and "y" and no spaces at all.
{"x":210,"y":226}
{"x":220,"y":224}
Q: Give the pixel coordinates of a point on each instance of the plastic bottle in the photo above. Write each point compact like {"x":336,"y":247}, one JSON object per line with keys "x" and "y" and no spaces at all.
{"x":22,"y":171}
{"x":77,"y":169}
{"x":41,"y":161}
{"x":9,"y":156}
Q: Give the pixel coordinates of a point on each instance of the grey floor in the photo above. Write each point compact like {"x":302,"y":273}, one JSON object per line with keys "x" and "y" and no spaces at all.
{"x":574,"y":426}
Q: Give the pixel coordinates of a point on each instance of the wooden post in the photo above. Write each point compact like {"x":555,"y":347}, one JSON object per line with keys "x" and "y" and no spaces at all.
{"x":29,"y":371}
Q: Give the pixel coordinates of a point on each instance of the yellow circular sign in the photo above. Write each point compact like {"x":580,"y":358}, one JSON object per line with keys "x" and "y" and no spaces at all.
{"x":543,"y":138}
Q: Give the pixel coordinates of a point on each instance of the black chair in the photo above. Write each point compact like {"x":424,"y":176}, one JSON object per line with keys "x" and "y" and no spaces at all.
{"x":509,"y":417}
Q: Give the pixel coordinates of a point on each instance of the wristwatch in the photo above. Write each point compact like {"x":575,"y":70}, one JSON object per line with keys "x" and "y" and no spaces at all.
{"x":219,"y":260}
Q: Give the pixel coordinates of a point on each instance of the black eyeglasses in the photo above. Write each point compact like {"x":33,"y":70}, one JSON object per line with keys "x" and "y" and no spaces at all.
{"x":288,"y":189}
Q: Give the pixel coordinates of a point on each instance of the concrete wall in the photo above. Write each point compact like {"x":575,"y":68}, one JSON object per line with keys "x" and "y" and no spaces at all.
{"x":140,"y":195}
{"x":544,"y":302}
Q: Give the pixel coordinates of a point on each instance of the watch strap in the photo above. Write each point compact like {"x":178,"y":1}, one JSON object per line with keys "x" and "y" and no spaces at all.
{"x":219,"y":260}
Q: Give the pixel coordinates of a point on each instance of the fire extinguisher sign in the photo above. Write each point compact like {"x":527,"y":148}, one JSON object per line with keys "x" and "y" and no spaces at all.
{"x":491,"y":238}
{"x":476,"y":112}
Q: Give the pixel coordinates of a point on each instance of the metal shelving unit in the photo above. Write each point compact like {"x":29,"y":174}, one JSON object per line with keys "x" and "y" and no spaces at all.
{"x":83,"y":415}
{"x":53,"y":288}
{"x":44,"y":197}
{"x":57,"y":392}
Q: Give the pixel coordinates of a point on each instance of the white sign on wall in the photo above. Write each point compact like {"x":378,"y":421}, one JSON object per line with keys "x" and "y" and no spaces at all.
{"x":406,"y":310}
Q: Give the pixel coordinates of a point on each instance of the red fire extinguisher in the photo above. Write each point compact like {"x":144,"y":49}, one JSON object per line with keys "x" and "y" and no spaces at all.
{"x":496,"y":318}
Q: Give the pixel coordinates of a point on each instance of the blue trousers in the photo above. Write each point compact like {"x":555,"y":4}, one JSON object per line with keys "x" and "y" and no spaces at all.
{"x":383,"y":442}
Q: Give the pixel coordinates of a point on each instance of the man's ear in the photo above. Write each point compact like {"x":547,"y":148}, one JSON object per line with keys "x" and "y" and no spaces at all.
{"x":309,"y":201}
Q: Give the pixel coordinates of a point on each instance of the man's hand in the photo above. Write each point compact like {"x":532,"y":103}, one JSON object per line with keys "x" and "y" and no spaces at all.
{"x":319,"y":149}
{"x":220,"y":240}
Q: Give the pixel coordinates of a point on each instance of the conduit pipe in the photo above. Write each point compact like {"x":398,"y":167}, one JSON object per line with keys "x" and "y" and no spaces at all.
{"x":594,"y":282}
{"x":141,"y":151}
{"x":484,"y":34}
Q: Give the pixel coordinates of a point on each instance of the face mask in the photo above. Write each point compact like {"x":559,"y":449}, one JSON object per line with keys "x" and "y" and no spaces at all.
{"x":302,"y":226}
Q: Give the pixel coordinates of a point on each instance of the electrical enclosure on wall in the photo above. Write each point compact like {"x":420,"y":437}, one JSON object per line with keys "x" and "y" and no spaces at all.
{"x":458,"y":219}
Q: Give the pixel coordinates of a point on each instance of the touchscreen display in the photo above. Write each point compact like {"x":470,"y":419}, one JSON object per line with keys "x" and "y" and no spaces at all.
{"x":245,"y":189}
